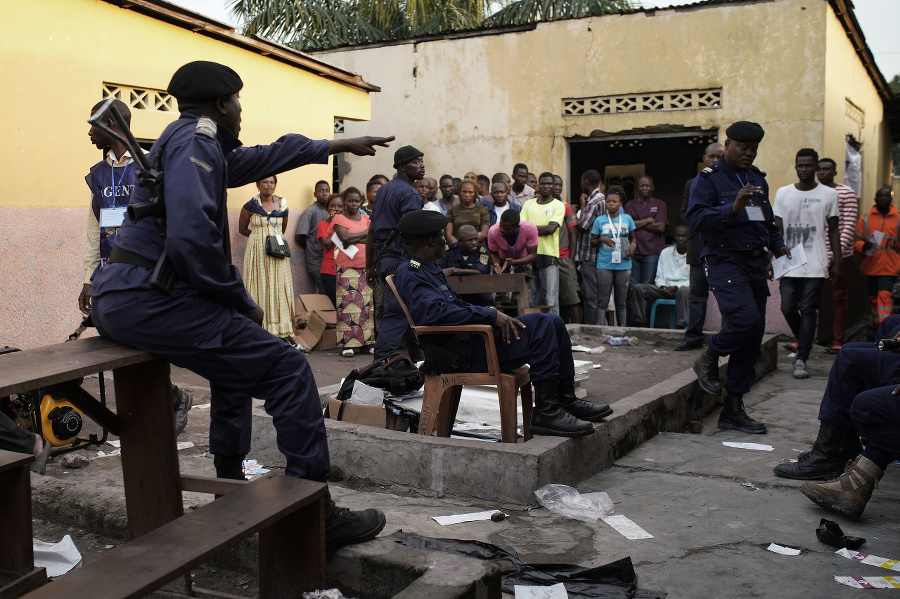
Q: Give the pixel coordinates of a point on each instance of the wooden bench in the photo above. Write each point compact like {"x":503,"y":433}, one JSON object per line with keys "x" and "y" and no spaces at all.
{"x":145,"y":424}
{"x":505,"y":283}
{"x":288,"y":513}
{"x":17,"y":572}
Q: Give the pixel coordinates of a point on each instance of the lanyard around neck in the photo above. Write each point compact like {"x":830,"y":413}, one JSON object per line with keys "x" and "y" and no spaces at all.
{"x":112,"y":178}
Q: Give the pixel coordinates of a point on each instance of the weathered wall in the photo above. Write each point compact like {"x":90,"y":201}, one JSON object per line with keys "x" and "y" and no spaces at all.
{"x":56,"y":54}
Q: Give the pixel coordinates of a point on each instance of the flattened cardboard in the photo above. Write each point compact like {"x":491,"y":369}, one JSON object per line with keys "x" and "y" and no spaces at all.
{"x":328,"y":341}
{"x":320,"y":304}
{"x":312,"y":334}
{"x":375,"y":416}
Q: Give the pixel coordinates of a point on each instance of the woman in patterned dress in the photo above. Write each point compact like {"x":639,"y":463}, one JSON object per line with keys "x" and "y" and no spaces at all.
{"x":354,"y":296}
{"x":268,"y":279}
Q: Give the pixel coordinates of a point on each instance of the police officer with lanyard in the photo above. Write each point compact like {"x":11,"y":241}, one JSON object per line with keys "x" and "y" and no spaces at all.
{"x":729,"y":207}
{"x":539,"y":340}
{"x":208,"y":323}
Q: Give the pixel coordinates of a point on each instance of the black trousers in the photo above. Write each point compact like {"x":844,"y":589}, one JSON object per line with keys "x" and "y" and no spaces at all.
{"x":699,"y":297}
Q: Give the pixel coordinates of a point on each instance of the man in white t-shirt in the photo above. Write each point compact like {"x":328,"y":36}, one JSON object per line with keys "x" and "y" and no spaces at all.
{"x":803,"y":213}
{"x":673,"y":281}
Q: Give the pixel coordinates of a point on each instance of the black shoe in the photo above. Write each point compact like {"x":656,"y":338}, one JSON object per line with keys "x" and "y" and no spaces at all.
{"x":229,"y":466}
{"x":345,"y":527}
{"x":735,"y":418}
{"x":580,"y":408}
{"x":707,"y":369}
{"x":824,"y":462}
{"x":548,"y":418}
{"x":688,"y":345}
{"x":182,"y":403}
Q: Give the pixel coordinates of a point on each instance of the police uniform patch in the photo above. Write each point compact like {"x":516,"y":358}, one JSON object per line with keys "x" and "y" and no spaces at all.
{"x":201,"y":164}
{"x":483,"y":259}
{"x":206,"y":126}
{"x":415,"y":264}
{"x":709,"y":170}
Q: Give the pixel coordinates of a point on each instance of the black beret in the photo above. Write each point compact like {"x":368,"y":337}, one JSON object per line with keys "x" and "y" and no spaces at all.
{"x":406,"y":154}
{"x":745,"y":131}
{"x":202,"y":80}
{"x":421,"y":223}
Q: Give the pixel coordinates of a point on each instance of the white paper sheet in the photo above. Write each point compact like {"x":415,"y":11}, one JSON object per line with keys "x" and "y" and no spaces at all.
{"x":755,"y":446}
{"x":58,"y":558}
{"x":626,"y":527}
{"x":782,"y":550}
{"x":557,"y":591}
{"x":470,"y":517}
{"x":781,"y":265}
{"x":349,"y":251}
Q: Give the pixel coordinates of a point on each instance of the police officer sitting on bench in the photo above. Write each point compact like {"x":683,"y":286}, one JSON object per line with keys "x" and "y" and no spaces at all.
{"x":539,"y":340}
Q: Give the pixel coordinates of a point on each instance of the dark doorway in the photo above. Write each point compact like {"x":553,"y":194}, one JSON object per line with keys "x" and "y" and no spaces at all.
{"x":669,"y":158}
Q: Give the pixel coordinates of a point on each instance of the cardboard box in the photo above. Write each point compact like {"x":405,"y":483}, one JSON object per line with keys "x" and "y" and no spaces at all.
{"x":375,"y":416}
{"x":312,"y":334}
{"x":319,"y":304}
{"x":328,"y":340}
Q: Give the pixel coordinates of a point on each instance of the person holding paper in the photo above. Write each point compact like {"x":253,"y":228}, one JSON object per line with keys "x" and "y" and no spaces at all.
{"x":806,"y":209}
{"x":267,"y":278}
{"x":324,"y":233}
{"x":878,"y":240}
{"x":355,"y":326}
{"x":729,"y":208}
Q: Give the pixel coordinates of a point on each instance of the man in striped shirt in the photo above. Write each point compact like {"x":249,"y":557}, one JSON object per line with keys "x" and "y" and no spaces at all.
{"x":848,"y":213}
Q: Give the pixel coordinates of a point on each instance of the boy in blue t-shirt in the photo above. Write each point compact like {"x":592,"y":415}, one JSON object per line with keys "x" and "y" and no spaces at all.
{"x":613,"y":235}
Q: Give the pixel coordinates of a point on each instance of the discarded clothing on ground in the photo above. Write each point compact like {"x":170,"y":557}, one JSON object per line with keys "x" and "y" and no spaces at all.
{"x":616,"y":580}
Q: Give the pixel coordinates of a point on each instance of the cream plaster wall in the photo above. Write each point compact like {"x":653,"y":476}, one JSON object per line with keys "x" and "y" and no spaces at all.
{"x":486,"y":102}
{"x":55,"y":56}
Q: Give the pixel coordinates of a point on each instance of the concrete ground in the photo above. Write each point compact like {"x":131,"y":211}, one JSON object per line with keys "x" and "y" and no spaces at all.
{"x":711,"y":509}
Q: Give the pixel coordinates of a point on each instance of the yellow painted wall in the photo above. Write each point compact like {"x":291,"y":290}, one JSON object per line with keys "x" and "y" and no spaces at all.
{"x":487,"y":102}
{"x":845,"y":77}
{"x":57,"y":53}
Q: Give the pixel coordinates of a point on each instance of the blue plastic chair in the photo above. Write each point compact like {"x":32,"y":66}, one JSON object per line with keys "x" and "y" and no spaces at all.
{"x":663,"y":302}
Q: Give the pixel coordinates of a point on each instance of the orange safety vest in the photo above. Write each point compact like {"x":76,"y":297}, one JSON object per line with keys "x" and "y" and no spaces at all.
{"x":885,"y":258}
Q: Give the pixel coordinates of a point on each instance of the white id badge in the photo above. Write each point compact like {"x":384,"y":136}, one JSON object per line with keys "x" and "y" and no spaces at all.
{"x":616,"y":257}
{"x":755,"y":213}
{"x":278,"y":237}
{"x":112,"y":217}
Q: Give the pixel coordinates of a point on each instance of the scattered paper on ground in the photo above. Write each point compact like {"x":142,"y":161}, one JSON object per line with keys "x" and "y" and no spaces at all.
{"x":58,"y":558}
{"x":783,"y":550}
{"x":115,"y":443}
{"x":871,"y":560}
{"x":755,"y":446}
{"x":626,"y":527}
{"x":557,"y":591}
{"x":252,"y":467}
{"x":202,"y":406}
{"x":103,"y":454}
{"x":868,"y":582}
{"x":470,"y":517}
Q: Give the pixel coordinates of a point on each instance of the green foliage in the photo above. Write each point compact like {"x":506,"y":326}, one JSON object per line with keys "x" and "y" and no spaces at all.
{"x":895,"y":84}
{"x":309,"y":24}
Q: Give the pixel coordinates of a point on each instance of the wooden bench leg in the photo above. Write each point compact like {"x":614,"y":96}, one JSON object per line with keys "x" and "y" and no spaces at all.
{"x":526,"y":411}
{"x":506,"y":392}
{"x":16,"y":552}
{"x":447,"y":411}
{"x":149,"y":457}
{"x":292,"y":554}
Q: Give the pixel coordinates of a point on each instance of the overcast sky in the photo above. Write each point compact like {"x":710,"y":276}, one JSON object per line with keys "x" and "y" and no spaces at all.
{"x":879,"y":20}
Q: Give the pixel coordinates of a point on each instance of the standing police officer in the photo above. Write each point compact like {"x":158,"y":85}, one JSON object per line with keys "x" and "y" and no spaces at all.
{"x":384,"y":246}
{"x":208,"y":323}
{"x":540,"y":340}
{"x":729,"y":208}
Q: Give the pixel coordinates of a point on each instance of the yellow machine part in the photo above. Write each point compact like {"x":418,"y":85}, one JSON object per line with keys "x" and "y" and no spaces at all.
{"x":54,"y":435}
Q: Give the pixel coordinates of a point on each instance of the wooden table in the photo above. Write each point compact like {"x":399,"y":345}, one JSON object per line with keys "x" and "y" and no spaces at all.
{"x":504,"y":283}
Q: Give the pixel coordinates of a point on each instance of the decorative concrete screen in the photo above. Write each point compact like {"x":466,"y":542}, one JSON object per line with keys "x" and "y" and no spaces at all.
{"x":140,"y":98}
{"x":698,"y":99}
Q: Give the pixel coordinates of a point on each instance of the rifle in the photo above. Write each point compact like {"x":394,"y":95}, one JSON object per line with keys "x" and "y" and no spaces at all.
{"x":149,"y":177}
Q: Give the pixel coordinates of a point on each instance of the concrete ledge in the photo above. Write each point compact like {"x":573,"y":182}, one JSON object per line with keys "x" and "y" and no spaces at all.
{"x":460,"y":467}
{"x":381,"y":569}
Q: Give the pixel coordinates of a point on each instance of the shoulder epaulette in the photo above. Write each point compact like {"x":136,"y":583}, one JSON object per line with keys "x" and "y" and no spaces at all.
{"x":206,"y":126}
{"x":709,"y":170}
{"x":415,"y":264}
{"x":756,"y":169}
{"x":482,"y":249}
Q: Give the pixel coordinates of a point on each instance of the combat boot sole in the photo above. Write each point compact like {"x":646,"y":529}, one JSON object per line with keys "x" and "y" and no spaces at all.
{"x":550,"y":432}
{"x":784,"y":471}
{"x":754,"y":429}
{"x":849,"y":509}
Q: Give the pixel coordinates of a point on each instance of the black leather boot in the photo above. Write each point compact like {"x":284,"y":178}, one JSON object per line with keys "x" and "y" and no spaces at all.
{"x":734,"y":417}
{"x":825,"y":461}
{"x":580,"y":408}
{"x":547,"y":418}
{"x":229,"y":466}
{"x":345,"y":527}
{"x":707,"y":369}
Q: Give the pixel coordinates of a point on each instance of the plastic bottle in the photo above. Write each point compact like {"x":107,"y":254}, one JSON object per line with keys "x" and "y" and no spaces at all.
{"x":615,"y":340}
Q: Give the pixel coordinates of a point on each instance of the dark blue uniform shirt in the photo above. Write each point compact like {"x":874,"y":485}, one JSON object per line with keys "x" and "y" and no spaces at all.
{"x":198,"y":169}
{"x":713,"y":193}
{"x":478,"y":260}
{"x":393,"y":200}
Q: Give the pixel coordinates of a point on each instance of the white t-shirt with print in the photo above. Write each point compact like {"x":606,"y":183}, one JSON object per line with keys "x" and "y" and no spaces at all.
{"x":804,"y":215}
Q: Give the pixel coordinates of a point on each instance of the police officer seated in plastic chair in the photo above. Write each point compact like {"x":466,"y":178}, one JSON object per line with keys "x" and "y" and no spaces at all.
{"x":539,"y":340}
